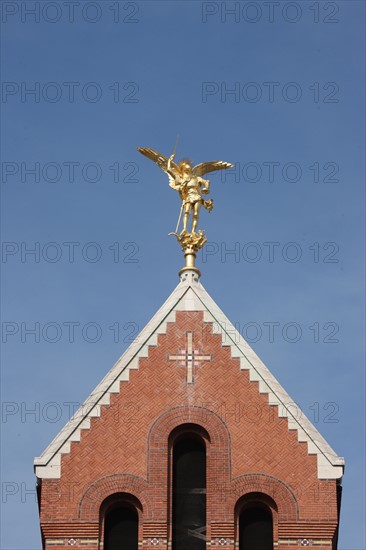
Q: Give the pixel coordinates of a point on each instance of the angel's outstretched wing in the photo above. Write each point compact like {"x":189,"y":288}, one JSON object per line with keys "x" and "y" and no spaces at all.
{"x":158,"y":158}
{"x":212,"y":166}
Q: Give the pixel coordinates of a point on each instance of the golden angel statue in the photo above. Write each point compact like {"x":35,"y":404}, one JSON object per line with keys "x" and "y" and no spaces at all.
{"x":188,"y":181}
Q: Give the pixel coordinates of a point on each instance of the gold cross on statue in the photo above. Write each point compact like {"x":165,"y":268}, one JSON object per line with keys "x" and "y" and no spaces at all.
{"x":189,"y":357}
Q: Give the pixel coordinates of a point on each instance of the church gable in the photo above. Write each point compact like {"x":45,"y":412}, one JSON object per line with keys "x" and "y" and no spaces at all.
{"x":189,"y":377}
{"x":189,"y":351}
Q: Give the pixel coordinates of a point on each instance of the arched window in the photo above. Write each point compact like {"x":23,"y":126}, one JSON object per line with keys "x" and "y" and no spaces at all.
{"x":189,"y":493}
{"x":121,"y":522}
{"x":255,"y":528}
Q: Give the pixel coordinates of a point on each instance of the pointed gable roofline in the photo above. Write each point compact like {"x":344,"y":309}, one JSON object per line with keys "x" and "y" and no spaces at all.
{"x":190,"y":295}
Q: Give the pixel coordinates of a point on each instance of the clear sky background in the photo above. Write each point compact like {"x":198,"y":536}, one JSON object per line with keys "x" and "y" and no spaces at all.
{"x":108,"y":80}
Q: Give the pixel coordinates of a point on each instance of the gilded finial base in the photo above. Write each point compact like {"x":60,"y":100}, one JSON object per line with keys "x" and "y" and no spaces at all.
{"x":190,"y":243}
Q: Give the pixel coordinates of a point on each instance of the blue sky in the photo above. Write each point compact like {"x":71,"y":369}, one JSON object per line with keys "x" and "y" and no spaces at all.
{"x":276,"y":89}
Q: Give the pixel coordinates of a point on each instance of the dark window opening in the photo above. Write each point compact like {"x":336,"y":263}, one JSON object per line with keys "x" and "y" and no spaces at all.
{"x":189,"y":495}
{"x":255,"y":529}
{"x":121,"y":529}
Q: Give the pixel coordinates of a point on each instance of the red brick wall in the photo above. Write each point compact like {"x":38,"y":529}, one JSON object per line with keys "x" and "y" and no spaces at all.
{"x":249,"y":450}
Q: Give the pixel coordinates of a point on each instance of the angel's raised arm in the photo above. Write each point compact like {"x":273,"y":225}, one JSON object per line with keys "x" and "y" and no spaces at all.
{"x":169,"y":166}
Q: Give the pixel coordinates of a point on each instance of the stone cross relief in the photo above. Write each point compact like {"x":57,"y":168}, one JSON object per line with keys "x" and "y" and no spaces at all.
{"x":189,"y":358}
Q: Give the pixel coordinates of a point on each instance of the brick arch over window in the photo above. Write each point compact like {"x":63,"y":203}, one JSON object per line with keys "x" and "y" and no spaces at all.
{"x":97,"y":492}
{"x":282,"y":495}
{"x":171,"y":419}
{"x":218,"y":454}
